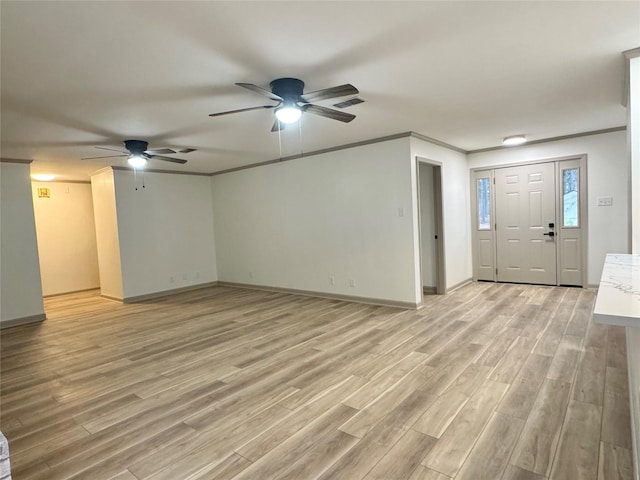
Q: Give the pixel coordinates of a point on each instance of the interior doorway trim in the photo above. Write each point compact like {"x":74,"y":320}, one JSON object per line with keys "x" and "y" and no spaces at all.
{"x":581,"y":161}
{"x":441,"y":283}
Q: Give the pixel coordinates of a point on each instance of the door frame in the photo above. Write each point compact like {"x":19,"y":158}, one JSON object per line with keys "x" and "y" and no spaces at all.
{"x":583,"y":213}
{"x":441,"y":283}
{"x":475,"y":231}
{"x":584,"y":208}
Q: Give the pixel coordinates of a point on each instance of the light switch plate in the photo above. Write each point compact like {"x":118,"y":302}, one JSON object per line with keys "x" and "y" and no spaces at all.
{"x":605,"y":201}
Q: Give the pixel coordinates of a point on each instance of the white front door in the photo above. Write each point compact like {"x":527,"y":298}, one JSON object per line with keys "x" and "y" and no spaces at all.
{"x":525,"y":224}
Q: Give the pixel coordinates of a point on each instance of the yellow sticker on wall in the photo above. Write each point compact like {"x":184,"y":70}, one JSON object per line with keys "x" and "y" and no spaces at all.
{"x":44,"y":193}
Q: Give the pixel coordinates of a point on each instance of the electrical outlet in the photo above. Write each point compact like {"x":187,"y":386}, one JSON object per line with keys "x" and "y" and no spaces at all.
{"x":352,"y":283}
{"x":401,"y":212}
{"x":172,"y":279}
{"x":184,"y":276}
{"x":332,"y":280}
{"x":250,"y":274}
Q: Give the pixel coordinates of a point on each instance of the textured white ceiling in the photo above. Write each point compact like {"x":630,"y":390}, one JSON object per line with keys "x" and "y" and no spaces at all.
{"x":80,"y":74}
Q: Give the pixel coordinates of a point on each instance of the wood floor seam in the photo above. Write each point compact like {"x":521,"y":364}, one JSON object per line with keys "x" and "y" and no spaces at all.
{"x":492,"y":381}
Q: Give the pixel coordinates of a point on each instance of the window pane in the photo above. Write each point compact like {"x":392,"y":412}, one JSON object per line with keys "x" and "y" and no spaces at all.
{"x":484,"y":204}
{"x":570,"y":197}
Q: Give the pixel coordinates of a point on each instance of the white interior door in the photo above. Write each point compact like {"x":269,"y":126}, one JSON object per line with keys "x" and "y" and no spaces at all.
{"x":525,"y":224}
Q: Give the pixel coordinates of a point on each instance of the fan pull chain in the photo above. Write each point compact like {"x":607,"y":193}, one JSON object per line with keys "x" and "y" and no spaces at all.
{"x":135,"y":178}
{"x":279,"y":140}
{"x":300,"y":137}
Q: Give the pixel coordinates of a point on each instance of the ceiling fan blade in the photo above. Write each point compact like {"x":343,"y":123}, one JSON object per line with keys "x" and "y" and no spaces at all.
{"x":108,"y":156}
{"x":167,"y":159}
{"x":328,"y":112}
{"x":261,"y":91}
{"x":113,"y":150}
{"x":339,"y":91}
{"x":159,"y":151}
{"x":187,"y":150}
{"x":349,"y":103}
{"x":242,"y":110}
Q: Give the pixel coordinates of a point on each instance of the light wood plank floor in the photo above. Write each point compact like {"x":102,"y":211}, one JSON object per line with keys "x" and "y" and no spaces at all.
{"x":490,"y":382}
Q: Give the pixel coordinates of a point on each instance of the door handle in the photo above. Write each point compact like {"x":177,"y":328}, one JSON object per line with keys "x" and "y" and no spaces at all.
{"x":551,"y":234}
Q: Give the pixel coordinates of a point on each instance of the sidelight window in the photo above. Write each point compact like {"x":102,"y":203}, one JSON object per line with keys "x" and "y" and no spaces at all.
{"x":570,"y":200}
{"x":484,"y":203}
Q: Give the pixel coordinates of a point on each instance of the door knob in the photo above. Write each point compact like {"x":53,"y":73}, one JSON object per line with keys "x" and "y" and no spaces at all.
{"x":551,"y":234}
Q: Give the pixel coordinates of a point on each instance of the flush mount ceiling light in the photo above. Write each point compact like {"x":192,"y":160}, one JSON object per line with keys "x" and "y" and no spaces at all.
{"x":514,"y":140}
{"x":43,"y":177}
{"x":288,"y":114}
{"x":137,"y":161}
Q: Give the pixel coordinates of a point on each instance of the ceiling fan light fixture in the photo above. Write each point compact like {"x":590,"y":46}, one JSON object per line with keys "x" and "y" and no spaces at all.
{"x":514,"y":140}
{"x":137,"y":161}
{"x":288,"y":114}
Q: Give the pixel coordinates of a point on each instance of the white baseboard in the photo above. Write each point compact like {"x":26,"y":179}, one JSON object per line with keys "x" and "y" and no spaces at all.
{"x":292,"y":291}
{"x":459,"y":285}
{"x":332,"y":296}
{"x":109,"y":297}
{"x":164,"y":293}
{"x":70,"y":292}
{"x":16,"y":322}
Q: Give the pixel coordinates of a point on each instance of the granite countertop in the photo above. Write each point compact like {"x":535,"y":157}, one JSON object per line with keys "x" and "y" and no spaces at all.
{"x":5,"y":468}
{"x":618,"y":300}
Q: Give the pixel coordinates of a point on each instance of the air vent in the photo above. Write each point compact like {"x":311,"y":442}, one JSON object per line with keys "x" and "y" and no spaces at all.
{"x":349,"y":103}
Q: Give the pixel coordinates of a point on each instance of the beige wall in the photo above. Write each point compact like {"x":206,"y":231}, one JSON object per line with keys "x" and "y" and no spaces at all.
{"x":66,"y":237}
{"x":338,"y":223}
{"x":108,"y":243}
{"x":455,"y":208}
{"x":20,"y":289}
{"x":633,"y":140}
{"x":633,"y":334}
{"x":165,"y":232}
{"x":607,"y":176}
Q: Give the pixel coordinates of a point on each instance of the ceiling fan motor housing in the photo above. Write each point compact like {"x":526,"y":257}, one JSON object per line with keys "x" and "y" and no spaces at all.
{"x":290,"y":89}
{"x":136,"y":147}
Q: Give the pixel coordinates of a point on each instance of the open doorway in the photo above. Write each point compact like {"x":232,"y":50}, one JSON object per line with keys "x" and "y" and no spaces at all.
{"x":66,"y":236}
{"x":431,"y":231}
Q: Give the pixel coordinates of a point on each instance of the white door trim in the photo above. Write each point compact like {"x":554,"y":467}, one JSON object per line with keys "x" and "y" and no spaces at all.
{"x":441,"y":274}
{"x":582,"y":161}
{"x":479,"y":256}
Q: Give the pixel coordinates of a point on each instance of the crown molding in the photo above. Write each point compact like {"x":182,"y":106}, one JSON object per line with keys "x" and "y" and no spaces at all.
{"x":158,"y":170}
{"x":346,"y":146}
{"x":15,"y":160}
{"x":87,"y":182}
{"x":435,"y":141}
{"x":315,"y":152}
{"x":551,"y":139}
